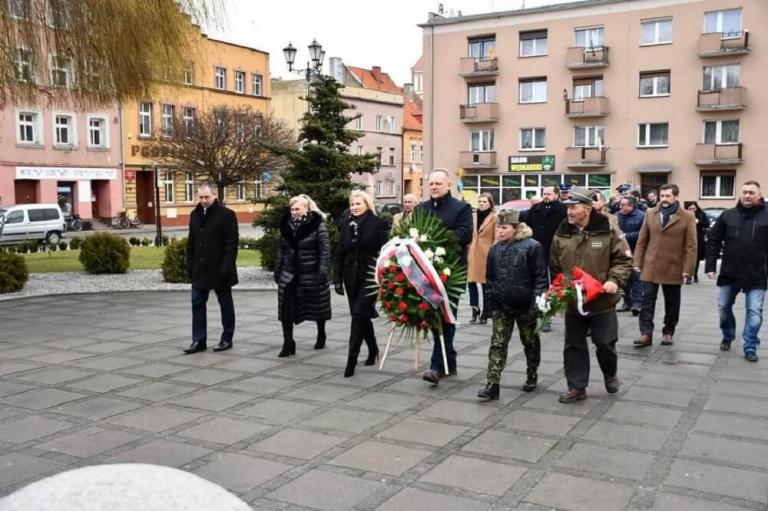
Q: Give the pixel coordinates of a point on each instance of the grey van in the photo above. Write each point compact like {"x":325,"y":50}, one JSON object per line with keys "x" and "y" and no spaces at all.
{"x":22,"y":222}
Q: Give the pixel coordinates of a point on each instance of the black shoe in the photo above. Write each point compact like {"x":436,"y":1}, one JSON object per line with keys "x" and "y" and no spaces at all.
{"x":432,"y":377}
{"x":320,"y":342}
{"x":547,"y":327}
{"x":373,"y":356}
{"x":635,"y":311}
{"x":572,"y":396}
{"x":725,"y":345}
{"x":696,"y":279}
{"x":751,"y":356}
{"x":530,"y":383}
{"x":612,"y":384}
{"x":289,"y":348}
{"x":451,"y":372}
{"x":490,"y":391}
{"x":350,"y":369}
{"x":475,"y":315}
{"x":689,"y":280}
{"x":196,"y":347}
{"x":223,"y":346}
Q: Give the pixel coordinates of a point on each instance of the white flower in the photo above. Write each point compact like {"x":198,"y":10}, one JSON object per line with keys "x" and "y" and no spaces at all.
{"x":423,"y":237}
{"x":413,"y":232}
{"x":447,"y":271}
{"x":429,"y":254}
{"x":440,"y":251}
{"x":437,"y":260}
{"x":543,"y":303}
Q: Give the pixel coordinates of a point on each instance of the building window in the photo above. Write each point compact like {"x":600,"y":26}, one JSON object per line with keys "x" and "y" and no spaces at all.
{"x":721,"y":132}
{"x":380,"y":156}
{"x":23,"y":65}
{"x":588,"y":136}
{"x":189,"y":187}
{"x":482,"y":48}
{"x":392,"y":124}
{"x":379,"y":123}
{"x":357,"y":124}
{"x":29,"y":128}
{"x":169,"y":111}
{"x":19,"y":9}
{"x":60,"y":69}
{"x":63,"y":130}
{"x":258,"y":192}
{"x":654,"y":83}
{"x":726,"y":22}
{"x":168,"y":185}
{"x":391,"y":156}
{"x":256,"y":82}
{"x":240,"y":82}
{"x":591,"y":37}
{"x":220,"y":78}
{"x":360,"y":150}
{"x":533,"y":43}
{"x":145,"y":119}
{"x":587,"y":88}
{"x":57,"y":14}
{"x":188,"y":75}
{"x":481,"y":140}
{"x":418,"y":82}
{"x":240,"y":191}
{"x":481,"y":93}
{"x":412,"y":153}
{"x":721,"y":77}
{"x":718,"y":186}
{"x":188,"y":116}
{"x":97,"y":132}
{"x":533,"y":90}
{"x":658,"y":31}
{"x":653,"y":135}
{"x":532,"y":139}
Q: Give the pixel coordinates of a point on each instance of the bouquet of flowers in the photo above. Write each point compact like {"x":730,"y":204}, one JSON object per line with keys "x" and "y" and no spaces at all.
{"x":418,"y":277}
{"x":577,"y":289}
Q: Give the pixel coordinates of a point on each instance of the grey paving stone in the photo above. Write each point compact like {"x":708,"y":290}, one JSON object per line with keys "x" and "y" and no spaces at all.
{"x":11,"y":367}
{"x":215,"y":400}
{"x":637,"y":437}
{"x":670,"y":381}
{"x":732,"y":451}
{"x":321,"y":392}
{"x":416,"y":386}
{"x":103,"y":383}
{"x":207,"y":376}
{"x":386,"y":402}
{"x":30,"y":428}
{"x":372,"y":456}
{"x":578,"y":494}
{"x":738,"y":388}
{"x":364,"y":377}
{"x":643,"y":414}
{"x":474,"y":475}
{"x":347,"y":420}
{"x":27,"y":352}
{"x":731,"y":425}
{"x":240,"y":473}
{"x":296,"y":443}
{"x":155,"y":419}
{"x":537,"y":422}
{"x":158,"y":391}
{"x":671,"y":502}
{"x":737,"y":405}
{"x":277,"y":410}
{"x":60,"y":356}
{"x":727,"y":481}
{"x":423,"y":432}
{"x":154,"y":369}
{"x":250,"y":365}
{"x":107,"y":346}
{"x":18,"y":467}
{"x":510,"y":445}
{"x":161,"y":452}
{"x":40,"y":399}
{"x":608,"y":461}
{"x":7,"y":388}
{"x":261,"y":384}
{"x":660,"y":396}
{"x":224,"y":430}
{"x":302,"y":371}
{"x":96,"y":408}
{"x":327,"y":491}
{"x":458,"y":411}
{"x":682,"y":357}
{"x":548,"y":401}
{"x":89,"y":442}
{"x":107,"y":363}
{"x":412,"y":498}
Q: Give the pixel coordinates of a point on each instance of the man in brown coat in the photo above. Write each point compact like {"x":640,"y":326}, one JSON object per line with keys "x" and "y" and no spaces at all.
{"x":665,"y":255}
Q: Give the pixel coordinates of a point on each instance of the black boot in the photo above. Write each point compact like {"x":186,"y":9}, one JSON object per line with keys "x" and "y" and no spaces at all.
{"x":320,"y":342}
{"x":356,"y":335}
{"x":530,"y":381}
{"x":483,"y":317}
{"x":289,"y":345}
{"x":370,"y":342}
{"x":475,"y":314}
{"x":490,"y":391}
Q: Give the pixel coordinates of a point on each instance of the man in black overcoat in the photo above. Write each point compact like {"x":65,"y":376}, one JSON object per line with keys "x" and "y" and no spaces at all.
{"x":211,"y":259}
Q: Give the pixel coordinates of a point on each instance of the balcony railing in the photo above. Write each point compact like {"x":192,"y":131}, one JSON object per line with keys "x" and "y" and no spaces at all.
{"x":588,"y":107}
{"x":479,"y":112}
{"x":718,"y":154}
{"x":470,"y":67}
{"x":718,"y":44}
{"x":585,"y":58}
{"x":730,"y":98}
{"x":585,"y":157}
{"x":477,"y":159}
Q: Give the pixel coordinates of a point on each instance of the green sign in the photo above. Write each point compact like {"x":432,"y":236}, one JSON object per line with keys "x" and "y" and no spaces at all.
{"x":543,"y":163}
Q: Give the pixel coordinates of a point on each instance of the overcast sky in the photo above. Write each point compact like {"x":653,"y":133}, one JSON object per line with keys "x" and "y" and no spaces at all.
{"x":363,"y":33}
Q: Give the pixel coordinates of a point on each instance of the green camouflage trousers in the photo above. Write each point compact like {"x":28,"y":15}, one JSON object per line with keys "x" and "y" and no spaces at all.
{"x":503,"y":324}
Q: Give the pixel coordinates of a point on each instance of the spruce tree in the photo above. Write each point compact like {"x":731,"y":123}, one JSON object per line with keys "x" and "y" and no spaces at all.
{"x":321,"y":167}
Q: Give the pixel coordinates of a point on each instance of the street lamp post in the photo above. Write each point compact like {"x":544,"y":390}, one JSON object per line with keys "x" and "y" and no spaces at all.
{"x":158,"y":218}
{"x":314,"y":64}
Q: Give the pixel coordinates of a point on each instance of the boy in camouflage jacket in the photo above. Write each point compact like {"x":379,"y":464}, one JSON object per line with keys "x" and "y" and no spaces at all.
{"x":516,"y":274}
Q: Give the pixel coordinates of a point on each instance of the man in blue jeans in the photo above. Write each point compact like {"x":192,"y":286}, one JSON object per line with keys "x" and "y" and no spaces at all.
{"x":741,"y":233}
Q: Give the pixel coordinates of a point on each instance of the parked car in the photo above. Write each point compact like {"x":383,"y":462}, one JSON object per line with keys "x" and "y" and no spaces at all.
{"x":392,"y":209}
{"x":713,"y":213}
{"x":519,"y":204}
{"x":21,"y":222}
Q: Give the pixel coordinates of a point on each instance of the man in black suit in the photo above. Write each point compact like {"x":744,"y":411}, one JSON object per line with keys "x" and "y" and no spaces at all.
{"x":456,"y":216}
{"x":211,"y":259}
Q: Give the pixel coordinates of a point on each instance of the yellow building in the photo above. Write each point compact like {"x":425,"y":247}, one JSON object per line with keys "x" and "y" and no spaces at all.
{"x":221,"y":73}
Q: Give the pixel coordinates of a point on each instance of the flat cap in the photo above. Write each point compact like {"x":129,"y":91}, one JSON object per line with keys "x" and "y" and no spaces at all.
{"x":579,"y":196}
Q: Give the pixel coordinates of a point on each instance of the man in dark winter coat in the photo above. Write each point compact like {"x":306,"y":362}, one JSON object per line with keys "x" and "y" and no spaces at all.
{"x":211,"y":260}
{"x":456,"y":216}
{"x":742,"y":235}
{"x":631,"y":220}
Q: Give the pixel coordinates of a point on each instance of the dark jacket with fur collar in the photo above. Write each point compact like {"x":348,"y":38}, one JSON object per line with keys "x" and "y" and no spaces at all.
{"x":304,"y":258}
{"x":599,"y":250}
{"x":212,"y":247}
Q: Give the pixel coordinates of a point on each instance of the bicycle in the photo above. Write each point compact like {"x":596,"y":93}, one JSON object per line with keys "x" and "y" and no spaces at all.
{"x":126,"y":219}
{"x":73,"y":223}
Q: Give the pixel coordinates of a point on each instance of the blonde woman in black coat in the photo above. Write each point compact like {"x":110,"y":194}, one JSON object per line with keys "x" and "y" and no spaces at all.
{"x":362,"y":235}
{"x":301,"y":271}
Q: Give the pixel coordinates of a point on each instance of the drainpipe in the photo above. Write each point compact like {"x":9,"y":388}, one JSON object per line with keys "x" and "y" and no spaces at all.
{"x":122,"y":151}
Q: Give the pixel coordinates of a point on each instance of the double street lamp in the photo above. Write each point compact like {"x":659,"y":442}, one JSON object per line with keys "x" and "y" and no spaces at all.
{"x":315,"y":63}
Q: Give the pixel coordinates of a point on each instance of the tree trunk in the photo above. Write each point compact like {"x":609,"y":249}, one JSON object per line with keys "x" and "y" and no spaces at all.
{"x":222,"y":192}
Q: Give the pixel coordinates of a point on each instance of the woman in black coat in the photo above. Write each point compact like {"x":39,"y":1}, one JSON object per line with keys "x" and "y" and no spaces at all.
{"x":301,"y":271}
{"x":362,"y":235}
{"x":702,"y":226}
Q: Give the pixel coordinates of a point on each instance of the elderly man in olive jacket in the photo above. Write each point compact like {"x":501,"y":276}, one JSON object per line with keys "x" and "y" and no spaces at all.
{"x":211,"y":260}
{"x":587,"y":240}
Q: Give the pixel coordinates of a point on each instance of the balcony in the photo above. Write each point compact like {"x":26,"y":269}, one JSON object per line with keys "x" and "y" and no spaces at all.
{"x":723,"y":100}
{"x":707,"y":155}
{"x":588,"y":107}
{"x":472,"y":68}
{"x":585,"y":157}
{"x":479,"y":112}
{"x":586,"y":58}
{"x":477,"y":160}
{"x":718,"y":44}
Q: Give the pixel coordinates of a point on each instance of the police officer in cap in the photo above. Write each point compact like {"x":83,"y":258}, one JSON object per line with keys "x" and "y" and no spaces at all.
{"x":565,"y":191}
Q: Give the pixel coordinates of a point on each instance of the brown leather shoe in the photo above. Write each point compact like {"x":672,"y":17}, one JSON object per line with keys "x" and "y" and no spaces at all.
{"x":667,"y":340}
{"x":572,"y":396}
{"x":643,"y":342}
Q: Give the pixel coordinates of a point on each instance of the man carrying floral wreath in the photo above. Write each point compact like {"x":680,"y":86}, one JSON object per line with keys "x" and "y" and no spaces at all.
{"x":586,"y":240}
{"x":456,"y":216}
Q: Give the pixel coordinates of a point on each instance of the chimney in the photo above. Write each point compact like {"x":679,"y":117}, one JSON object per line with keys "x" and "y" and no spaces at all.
{"x":376,"y":72}
{"x":408,"y":91}
{"x":336,"y":69}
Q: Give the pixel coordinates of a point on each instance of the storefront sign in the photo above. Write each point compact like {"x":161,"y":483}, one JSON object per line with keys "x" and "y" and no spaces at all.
{"x":544,"y":163}
{"x":65,"y":173}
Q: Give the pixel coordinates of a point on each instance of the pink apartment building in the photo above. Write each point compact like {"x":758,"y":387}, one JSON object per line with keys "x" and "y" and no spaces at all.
{"x":599,"y":93}
{"x":61,"y":154}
